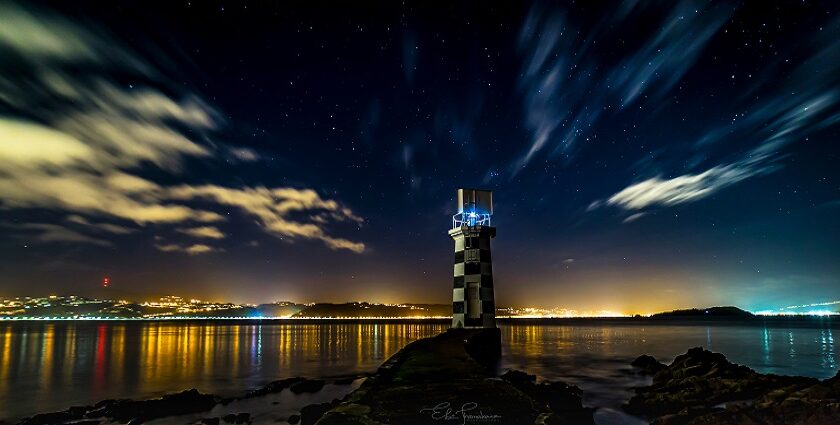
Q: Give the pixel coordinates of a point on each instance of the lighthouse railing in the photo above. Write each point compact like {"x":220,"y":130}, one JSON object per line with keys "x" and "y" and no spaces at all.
{"x":470,"y":219}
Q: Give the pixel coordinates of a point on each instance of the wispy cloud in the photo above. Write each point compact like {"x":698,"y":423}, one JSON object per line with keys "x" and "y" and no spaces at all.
{"x":54,"y":233}
{"x":107,"y":227}
{"x":566,"y":87}
{"x":244,"y":154}
{"x":633,"y":217}
{"x":685,"y":188}
{"x":203,"y":232}
{"x":85,"y":142}
{"x":195,"y":249}
{"x":273,"y":209}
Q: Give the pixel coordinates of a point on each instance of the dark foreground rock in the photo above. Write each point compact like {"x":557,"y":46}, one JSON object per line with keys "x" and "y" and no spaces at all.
{"x":451,"y":378}
{"x":647,"y":364}
{"x":307,"y":386}
{"x":136,"y":411}
{"x":702,"y":387}
{"x":273,"y":387}
{"x":183,"y":403}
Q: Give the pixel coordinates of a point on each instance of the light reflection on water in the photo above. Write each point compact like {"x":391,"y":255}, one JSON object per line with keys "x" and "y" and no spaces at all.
{"x":50,"y":366}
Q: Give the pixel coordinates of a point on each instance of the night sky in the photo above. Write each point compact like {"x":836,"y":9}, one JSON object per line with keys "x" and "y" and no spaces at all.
{"x":643,"y":155}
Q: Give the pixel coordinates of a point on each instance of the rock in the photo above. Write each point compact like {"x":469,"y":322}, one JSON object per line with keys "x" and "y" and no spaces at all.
{"x":190,"y":401}
{"x":47,"y":418}
{"x":294,"y":419}
{"x":519,"y":378}
{"x":229,"y":418}
{"x":310,"y":414}
{"x":78,"y":411}
{"x":242,"y":418}
{"x":456,"y":372}
{"x":274,"y":387}
{"x":647,"y":365}
{"x":74,"y":413}
{"x":210,"y":421}
{"x":103,"y":403}
{"x":563,"y":399}
{"x":485,"y":347}
{"x":307,"y":386}
{"x":691,"y":389}
{"x":185,"y":402}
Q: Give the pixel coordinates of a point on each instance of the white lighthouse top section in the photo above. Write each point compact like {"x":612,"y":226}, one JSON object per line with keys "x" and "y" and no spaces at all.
{"x":475,"y":200}
{"x":475,"y":207}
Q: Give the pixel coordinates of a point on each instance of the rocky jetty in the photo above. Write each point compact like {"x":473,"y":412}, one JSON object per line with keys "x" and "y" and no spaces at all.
{"x":451,"y":378}
{"x":702,"y":387}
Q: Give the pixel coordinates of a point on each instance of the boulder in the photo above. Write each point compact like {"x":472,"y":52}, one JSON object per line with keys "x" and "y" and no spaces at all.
{"x":274,"y":387}
{"x":694,"y":386}
{"x":48,"y":418}
{"x":311,"y":413}
{"x":647,"y":365}
{"x":190,"y":401}
{"x":562,"y":399}
{"x":307,"y":386}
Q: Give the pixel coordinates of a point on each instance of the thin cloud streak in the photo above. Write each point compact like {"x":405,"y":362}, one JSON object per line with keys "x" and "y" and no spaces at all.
{"x":678,"y":190}
{"x":195,"y":249}
{"x":203,"y":232}
{"x":49,"y":233}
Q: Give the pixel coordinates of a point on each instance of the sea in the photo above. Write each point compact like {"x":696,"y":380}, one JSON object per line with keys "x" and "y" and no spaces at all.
{"x":50,"y":366}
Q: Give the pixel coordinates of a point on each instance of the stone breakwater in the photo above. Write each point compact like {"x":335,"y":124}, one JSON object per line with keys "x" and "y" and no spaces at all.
{"x":451,"y":379}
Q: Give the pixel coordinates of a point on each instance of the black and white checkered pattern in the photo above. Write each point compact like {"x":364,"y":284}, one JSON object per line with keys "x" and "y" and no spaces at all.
{"x":473,"y":304}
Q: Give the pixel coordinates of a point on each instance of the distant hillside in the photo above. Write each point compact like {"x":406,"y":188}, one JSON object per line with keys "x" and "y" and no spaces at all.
{"x":363,"y":309}
{"x":280,"y":309}
{"x":728,"y":312}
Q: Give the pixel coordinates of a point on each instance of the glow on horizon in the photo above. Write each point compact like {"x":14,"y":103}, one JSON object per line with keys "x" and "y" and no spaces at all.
{"x":797,"y":313}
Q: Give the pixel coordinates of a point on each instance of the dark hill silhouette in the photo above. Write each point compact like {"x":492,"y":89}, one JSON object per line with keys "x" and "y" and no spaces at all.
{"x":717,"y":312}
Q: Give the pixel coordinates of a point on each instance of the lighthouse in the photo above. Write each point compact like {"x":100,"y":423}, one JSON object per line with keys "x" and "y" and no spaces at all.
{"x":473,"y":305}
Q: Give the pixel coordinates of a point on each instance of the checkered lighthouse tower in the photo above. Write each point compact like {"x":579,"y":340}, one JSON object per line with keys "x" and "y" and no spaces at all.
{"x":473,"y":305}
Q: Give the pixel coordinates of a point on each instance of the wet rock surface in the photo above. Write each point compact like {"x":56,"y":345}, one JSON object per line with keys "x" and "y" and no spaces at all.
{"x":702,"y":387}
{"x":307,"y":386}
{"x":647,"y":364}
{"x":451,"y":378}
{"x":132,"y":411}
{"x":183,"y":403}
{"x":273,"y":387}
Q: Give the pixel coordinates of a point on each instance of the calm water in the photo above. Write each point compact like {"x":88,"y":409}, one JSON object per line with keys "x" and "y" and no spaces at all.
{"x":50,"y":366}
